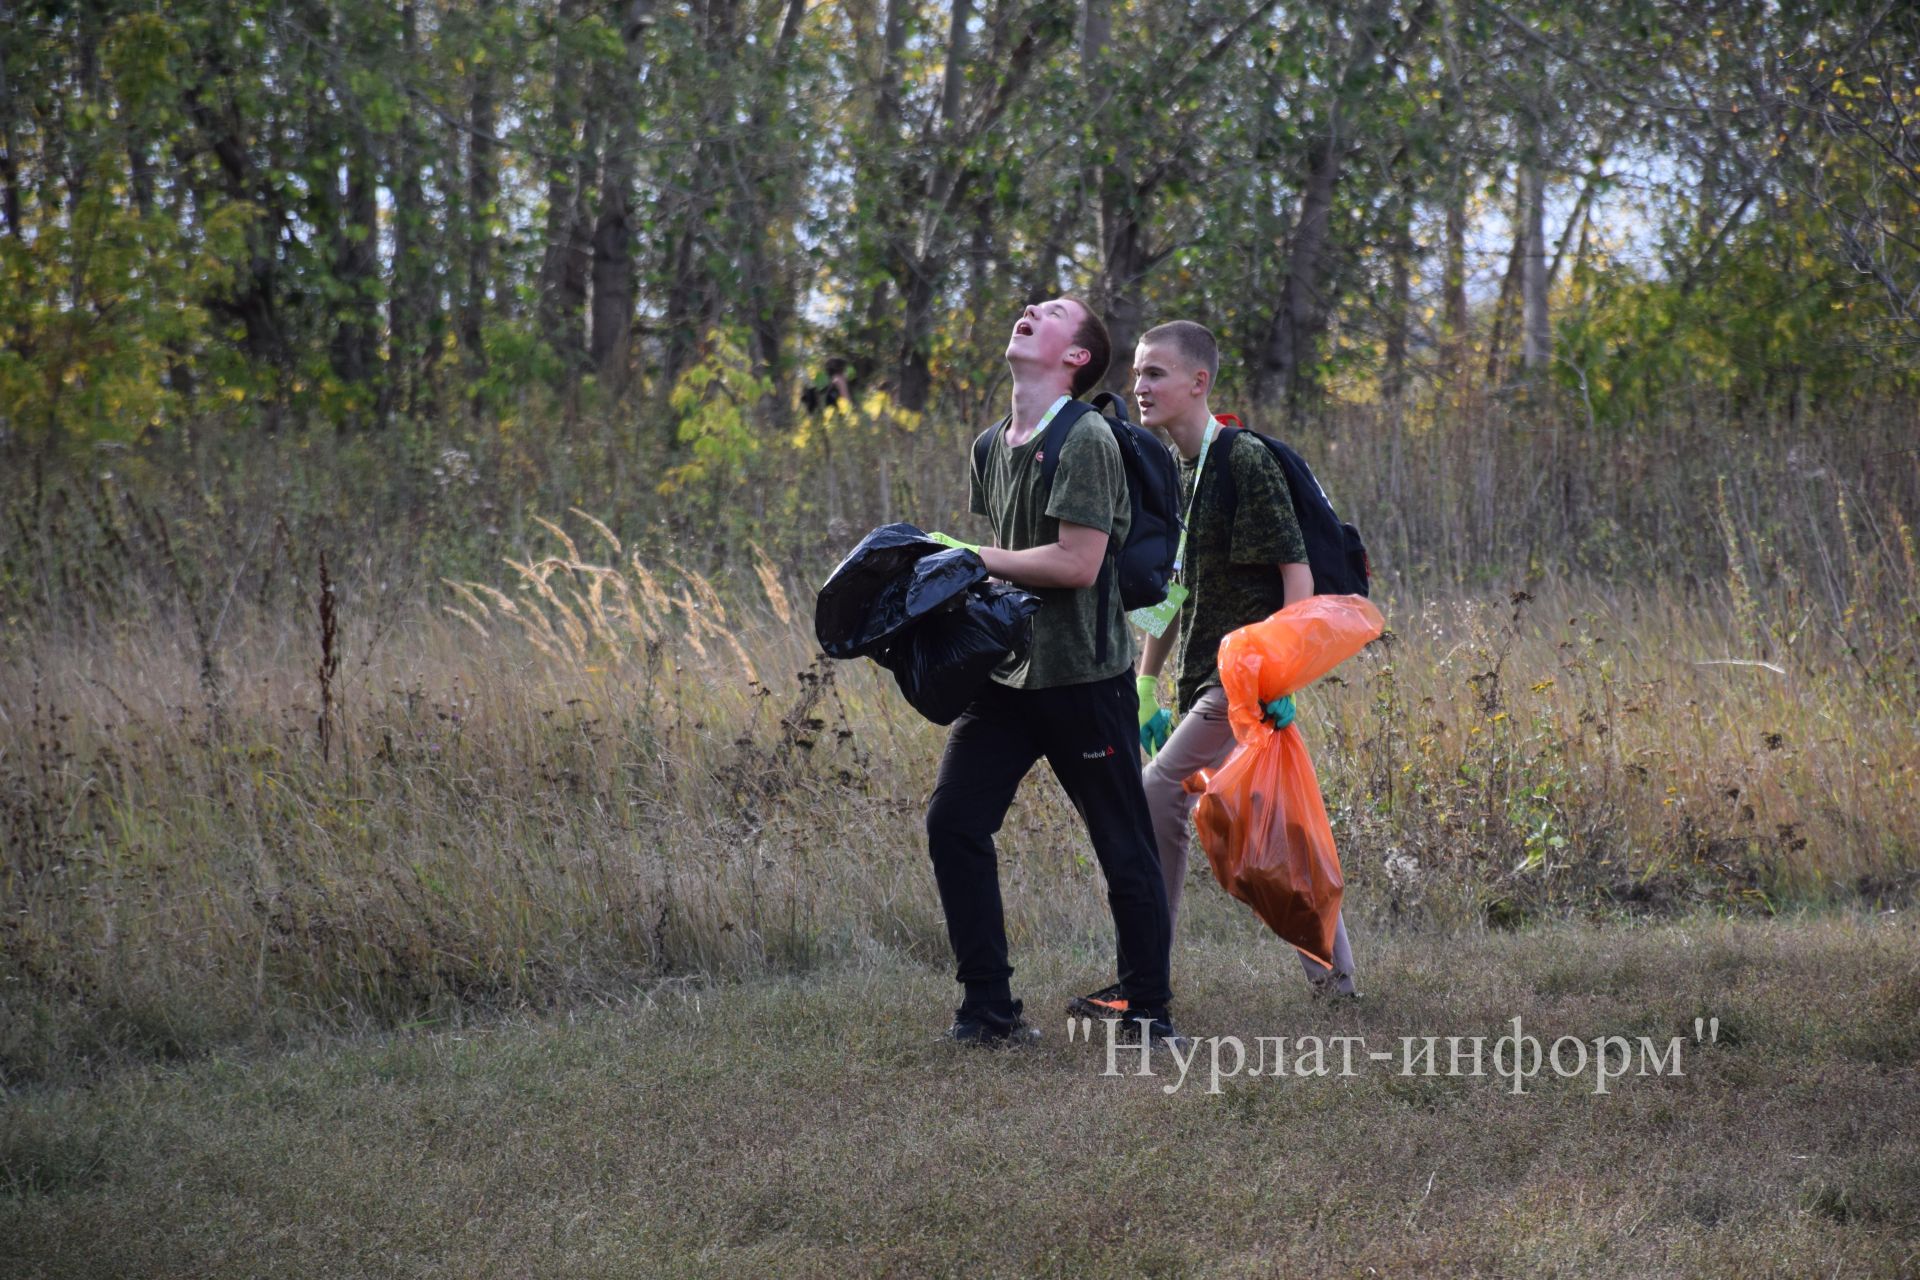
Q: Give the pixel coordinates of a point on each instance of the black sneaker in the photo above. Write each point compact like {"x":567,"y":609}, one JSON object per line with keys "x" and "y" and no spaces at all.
{"x":1107,"y":1002}
{"x":971,"y":1027}
{"x":1157,"y":1024}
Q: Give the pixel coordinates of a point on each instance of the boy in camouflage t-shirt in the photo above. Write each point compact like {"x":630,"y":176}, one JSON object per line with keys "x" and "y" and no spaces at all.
{"x":1241,"y":564}
{"x":1069,"y":699}
{"x":1232,"y":558}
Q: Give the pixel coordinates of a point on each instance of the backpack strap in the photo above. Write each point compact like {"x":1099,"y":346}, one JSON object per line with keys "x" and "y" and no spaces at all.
{"x":1104,"y":586}
{"x":1063,"y":423}
{"x":983,"y":448}
{"x":1224,"y":489}
{"x":1071,"y":412}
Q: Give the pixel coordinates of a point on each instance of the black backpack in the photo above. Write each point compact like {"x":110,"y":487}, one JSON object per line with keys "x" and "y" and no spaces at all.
{"x":1335,"y":551}
{"x":1145,"y":560}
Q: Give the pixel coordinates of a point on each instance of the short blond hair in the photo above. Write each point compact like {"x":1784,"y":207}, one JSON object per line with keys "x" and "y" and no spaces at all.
{"x":1193,"y":341}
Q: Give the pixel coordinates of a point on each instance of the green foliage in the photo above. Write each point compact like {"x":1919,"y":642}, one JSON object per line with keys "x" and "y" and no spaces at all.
{"x":1781,"y":321}
{"x":99,"y":309}
{"x":329,"y":213}
{"x":714,"y":403}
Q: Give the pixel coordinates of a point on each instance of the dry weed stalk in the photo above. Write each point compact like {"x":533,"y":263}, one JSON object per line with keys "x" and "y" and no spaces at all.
{"x":605,"y":610}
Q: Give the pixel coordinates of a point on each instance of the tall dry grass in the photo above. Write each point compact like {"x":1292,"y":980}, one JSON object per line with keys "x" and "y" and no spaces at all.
{"x":596,"y":770}
{"x":1469,"y":496}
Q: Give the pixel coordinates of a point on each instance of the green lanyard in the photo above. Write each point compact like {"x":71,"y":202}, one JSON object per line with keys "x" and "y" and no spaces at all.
{"x":1047,"y":417}
{"x":1040,"y":428}
{"x":1180,"y":552}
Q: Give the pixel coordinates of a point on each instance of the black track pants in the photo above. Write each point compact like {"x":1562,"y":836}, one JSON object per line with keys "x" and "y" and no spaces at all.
{"x":1089,"y":734}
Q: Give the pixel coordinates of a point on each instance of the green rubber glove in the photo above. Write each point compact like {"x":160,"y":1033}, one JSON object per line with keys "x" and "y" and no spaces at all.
{"x":1280,"y":711}
{"x":1147,"y":689}
{"x":1155,"y":732}
{"x":955,"y":543}
{"x":1156,"y":722}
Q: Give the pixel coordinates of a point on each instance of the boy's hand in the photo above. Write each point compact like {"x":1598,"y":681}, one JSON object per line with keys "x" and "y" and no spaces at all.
{"x":1147,"y":689}
{"x":1155,"y":732}
{"x":1156,"y":722}
{"x":1280,"y":711}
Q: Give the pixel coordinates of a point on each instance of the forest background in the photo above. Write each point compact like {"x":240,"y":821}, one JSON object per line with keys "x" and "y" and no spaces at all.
{"x":422,"y":426}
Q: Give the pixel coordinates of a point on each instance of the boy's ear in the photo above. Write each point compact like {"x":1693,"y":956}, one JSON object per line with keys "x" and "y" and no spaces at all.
{"x":1076,"y":356}
{"x":1203,"y":381}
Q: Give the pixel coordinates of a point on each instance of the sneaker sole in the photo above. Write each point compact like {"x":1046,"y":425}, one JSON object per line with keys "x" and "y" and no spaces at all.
{"x":1016,"y":1040}
{"x":1175,"y":1043}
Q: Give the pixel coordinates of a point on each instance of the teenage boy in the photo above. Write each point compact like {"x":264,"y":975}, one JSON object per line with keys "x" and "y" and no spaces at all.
{"x":1239,"y":565}
{"x":1070,"y":698}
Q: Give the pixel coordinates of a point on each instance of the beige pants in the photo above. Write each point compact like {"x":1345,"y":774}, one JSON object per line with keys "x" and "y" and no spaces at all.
{"x":1204,"y":740}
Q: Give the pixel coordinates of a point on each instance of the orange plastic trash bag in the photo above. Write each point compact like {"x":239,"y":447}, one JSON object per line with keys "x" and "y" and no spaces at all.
{"x":1261,"y":818}
{"x":1288,"y":651}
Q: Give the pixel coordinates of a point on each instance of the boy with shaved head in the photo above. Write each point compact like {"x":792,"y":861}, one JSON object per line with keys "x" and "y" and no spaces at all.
{"x":1240,"y":564}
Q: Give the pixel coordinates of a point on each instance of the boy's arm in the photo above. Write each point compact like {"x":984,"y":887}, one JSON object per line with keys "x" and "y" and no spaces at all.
{"x":1153,"y":654}
{"x":1073,"y":561}
{"x":1297,"y":581}
{"x":1088,"y":485}
{"x":1265,"y":530}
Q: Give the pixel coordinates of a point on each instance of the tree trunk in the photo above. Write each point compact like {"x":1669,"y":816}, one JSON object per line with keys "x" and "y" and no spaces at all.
{"x":139,"y":171}
{"x":953,"y":84}
{"x":613,"y":283}
{"x":686,"y":307}
{"x":1537,"y":343}
{"x":879,"y":41}
{"x":1454,"y":287}
{"x":1577,"y":221}
{"x":9,"y":162}
{"x":1123,"y":249}
{"x":913,"y":376}
{"x":561,"y":287}
{"x":181,"y":202}
{"x":1300,"y":317}
{"x":980,"y":264}
{"x":1509,"y":290}
{"x":409,"y":300}
{"x":919,"y":271}
{"x":252,"y":300}
{"x":1393,"y":380}
{"x":769,"y":291}
{"x":1455,"y":319}
{"x":1291,"y":345}
{"x":357,"y":269}
{"x":482,"y":190}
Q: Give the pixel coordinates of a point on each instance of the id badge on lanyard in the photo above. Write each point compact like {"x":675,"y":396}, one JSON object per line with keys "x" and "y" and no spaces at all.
{"x":1154,"y":619}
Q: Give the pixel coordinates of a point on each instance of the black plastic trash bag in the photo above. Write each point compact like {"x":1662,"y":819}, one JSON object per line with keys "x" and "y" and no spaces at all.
{"x":942,"y":660}
{"x":896,"y":576}
{"x":924,"y":611}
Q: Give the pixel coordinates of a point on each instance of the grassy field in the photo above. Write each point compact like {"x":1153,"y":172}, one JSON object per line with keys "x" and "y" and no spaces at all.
{"x":610,"y":774}
{"x":577,"y":920}
{"x":816,"y":1126}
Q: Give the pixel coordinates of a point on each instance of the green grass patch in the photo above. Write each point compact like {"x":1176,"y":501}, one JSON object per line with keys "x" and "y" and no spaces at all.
{"x":817,"y":1125}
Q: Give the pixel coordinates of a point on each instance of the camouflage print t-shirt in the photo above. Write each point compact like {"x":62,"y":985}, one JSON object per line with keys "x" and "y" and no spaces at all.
{"x":1232,"y":570}
{"x":1089,"y":488}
